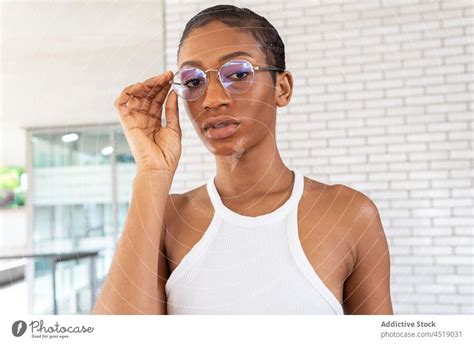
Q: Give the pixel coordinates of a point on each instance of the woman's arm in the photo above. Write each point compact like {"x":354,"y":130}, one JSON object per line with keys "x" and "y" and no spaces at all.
{"x":367,"y":289}
{"x":133,"y":285}
{"x":135,"y":281}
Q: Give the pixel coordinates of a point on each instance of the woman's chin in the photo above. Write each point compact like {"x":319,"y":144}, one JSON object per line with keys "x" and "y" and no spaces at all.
{"x":225,"y":147}
{"x":221,"y":149}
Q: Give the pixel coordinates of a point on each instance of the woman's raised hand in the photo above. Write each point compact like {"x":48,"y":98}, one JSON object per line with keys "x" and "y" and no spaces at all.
{"x":155,"y":148}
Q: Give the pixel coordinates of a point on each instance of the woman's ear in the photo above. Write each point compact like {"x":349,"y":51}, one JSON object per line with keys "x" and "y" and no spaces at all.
{"x":284,"y":88}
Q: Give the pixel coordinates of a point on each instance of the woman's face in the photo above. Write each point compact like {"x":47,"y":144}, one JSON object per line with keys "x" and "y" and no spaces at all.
{"x":255,"y":109}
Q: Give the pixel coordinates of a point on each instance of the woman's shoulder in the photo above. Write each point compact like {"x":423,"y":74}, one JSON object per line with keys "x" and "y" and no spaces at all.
{"x":347,"y":209}
{"x":342,"y":192}
{"x":180,"y":204}
{"x":347,"y":204}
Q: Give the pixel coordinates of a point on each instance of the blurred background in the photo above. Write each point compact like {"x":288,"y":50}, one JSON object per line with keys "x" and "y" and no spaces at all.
{"x":382,"y":103}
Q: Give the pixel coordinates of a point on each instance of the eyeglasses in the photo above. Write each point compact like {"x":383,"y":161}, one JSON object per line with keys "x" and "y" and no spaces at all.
{"x":235,"y":76}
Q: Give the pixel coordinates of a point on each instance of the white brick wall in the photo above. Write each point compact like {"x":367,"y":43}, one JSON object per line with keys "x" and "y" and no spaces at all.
{"x":382,"y":103}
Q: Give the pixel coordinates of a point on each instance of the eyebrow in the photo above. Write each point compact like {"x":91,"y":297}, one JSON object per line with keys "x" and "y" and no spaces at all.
{"x":221,"y":59}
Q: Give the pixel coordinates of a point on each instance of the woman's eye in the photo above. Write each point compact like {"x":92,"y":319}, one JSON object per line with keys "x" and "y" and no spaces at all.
{"x":192,"y":83}
{"x":239,"y":75}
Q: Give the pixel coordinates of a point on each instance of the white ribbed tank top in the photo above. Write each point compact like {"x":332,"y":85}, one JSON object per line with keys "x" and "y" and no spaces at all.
{"x":249,"y":265}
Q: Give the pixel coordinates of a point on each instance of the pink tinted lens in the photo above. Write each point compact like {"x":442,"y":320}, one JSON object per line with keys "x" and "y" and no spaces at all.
{"x":189,"y":83}
{"x":237,"y":76}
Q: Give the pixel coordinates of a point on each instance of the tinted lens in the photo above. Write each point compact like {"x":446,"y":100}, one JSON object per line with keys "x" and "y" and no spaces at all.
{"x":237,"y":76}
{"x":189,"y":83}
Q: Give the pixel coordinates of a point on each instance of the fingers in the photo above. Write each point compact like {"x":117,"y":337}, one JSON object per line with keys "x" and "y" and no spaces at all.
{"x":139,"y":96}
{"x":157,"y":102}
{"x":155,"y":109}
{"x":172,"y":112}
{"x":140,"y":105}
{"x":152,"y":81}
{"x":155,"y":86}
{"x":123,"y":97}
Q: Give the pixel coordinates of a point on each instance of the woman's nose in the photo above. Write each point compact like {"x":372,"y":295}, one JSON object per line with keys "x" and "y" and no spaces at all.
{"x":215,"y":94}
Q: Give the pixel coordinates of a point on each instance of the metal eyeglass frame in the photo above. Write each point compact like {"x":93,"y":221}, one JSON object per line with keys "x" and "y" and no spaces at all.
{"x":255,"y":69}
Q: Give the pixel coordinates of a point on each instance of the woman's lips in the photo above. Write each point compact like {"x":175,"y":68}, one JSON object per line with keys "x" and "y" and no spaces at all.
{"x":222,"y":133}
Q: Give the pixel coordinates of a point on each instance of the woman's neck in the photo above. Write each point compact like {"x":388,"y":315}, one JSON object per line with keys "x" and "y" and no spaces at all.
{"x":253,"y":173}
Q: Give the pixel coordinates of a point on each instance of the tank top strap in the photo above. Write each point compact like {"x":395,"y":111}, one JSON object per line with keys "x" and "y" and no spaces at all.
{"x":228,"y":214}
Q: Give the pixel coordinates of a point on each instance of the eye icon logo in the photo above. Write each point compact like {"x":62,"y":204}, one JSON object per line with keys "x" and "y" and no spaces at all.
{"x":18,"y":328}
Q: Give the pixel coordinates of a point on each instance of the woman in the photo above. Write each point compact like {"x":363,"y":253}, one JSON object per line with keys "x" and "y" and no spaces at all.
{"x":257,"y":237}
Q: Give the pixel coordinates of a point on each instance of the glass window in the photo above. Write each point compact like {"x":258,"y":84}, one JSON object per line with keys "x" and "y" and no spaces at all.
{"x":81,"y":188}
